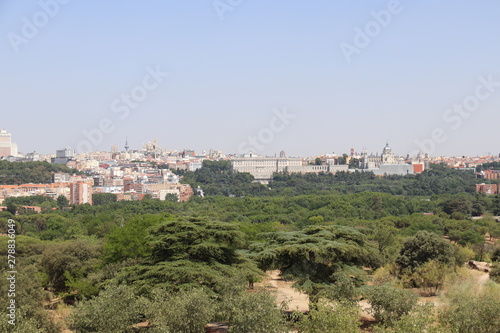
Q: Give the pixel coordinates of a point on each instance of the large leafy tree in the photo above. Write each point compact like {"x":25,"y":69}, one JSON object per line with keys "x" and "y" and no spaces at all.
{"x":424,"y":247}
{"x":190,"y":253}
{"x":128,"y":240}
{"x":315,"y":257}
{"x":61,"y":261}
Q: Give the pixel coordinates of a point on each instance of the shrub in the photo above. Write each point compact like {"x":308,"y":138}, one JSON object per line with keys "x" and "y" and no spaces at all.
{"x":115,"y":310}
{"x":344,"y":289}
{"x":388,"y":303}
{"x":190,"y":311}
{"x":430,"y":277}
{"x":468,"y":311}
{"x":420,"y":319}
{"x":384,"y":275}
{"x":187,"y":311}
{"x":327,"y":317}
{"x":253,"y":312}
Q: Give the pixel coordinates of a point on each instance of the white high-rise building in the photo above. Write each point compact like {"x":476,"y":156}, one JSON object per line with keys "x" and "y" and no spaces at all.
{"x":7,"y":147}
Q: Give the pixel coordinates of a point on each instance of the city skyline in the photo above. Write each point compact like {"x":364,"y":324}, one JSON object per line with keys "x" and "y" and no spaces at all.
{"x":141,"y":148}
{"x":306,"y":78}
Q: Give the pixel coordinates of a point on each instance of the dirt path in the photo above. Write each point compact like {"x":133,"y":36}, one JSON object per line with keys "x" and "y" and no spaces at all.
{"x":300,"y":301}
{"x":285,"y":292}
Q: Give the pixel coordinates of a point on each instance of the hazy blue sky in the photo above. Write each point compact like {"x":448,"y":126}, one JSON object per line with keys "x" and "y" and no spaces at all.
{"x":231,"y":68}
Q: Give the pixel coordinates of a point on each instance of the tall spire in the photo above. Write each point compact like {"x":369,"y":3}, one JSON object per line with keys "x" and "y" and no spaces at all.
{"x":126,"y":144}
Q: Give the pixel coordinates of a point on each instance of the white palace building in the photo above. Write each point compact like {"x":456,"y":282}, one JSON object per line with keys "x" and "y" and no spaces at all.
{"x":262,"y":168}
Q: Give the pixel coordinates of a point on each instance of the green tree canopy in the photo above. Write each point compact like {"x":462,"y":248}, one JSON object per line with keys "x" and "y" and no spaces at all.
{"x":190,"y":253}
{"x":103,"y":198}
{"x":423,"y":247}
{"x":313,"y":256}
{"x":62,"y":201}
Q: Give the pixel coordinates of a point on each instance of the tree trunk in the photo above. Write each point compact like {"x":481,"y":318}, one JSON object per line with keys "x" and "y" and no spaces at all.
{"x":217,"y":328}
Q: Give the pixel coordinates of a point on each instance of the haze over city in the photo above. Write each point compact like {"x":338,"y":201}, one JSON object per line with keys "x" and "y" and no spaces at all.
{"x":211,"y":74}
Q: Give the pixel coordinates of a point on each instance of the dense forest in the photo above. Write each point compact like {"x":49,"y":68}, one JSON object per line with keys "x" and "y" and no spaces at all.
{"x":16,"y":173}
{"x":175,"y":267}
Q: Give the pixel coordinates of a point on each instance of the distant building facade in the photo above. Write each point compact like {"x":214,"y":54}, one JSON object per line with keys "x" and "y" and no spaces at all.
{"x":263,"y":168}
{"x":488,"y":188}
{"x":387,"y":163}
{"x":491,"y":174}
{"x":63,"y":156}
{"x":81,"y":192}
{"x":7,"y":147}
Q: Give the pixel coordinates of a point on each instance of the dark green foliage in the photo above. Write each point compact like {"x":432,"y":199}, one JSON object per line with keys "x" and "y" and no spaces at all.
{"x":457,"y":206}
{"x":437,"y":180}
{"x":46,"y":226}
{"x":495,"y":256}
{"x":488,"y":166}
{"x":465,"y":232}
{"x":99,"y":199}
{"x":34,"y":200}
{"x":195,"y":240}
{"x":423,"y":247}
{"x":218,"y":178}
{"x":495,"y":206}
{"x":312,"y":256}
{"x":62,"y":201}
{"x":171,"y":197}
{"x":128,"y":241}
{"x":470,"y":237}
{"x":176,"y":275}
{"x":189,"y":253}
{"x":30,"y":315}
{"x":76,"y":258}
{"x":495,"y":273}
{"x":16,"y":173}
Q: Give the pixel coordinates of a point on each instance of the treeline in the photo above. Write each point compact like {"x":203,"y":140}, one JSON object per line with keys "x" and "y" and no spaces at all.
{"x":293,"y":212}
{"x":437,"y":180}
{"x":488,"y":166}
{"x":16,"y":173}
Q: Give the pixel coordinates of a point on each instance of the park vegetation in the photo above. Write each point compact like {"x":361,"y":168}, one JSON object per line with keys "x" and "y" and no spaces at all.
{"x":175,"y":267}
